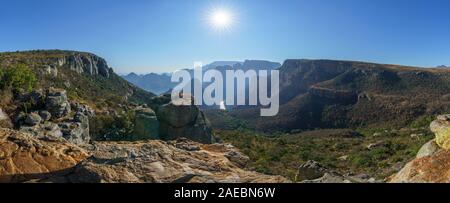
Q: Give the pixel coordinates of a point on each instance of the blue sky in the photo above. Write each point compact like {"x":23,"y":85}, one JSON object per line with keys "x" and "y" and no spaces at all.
{"x":165,"y":35}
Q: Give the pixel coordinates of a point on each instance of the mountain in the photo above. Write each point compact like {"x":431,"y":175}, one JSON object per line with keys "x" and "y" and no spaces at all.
{"x":160,"y":83}
{"x":86,"y":77}
{"x":345,"y":94}
{"x":156,"y":83}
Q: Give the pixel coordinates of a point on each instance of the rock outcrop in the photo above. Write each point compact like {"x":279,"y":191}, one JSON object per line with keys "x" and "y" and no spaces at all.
{"x":25,"y":158}
{"x":51,"y":114}
{"x":146,"y":124}
{"x":56,"y":103}
{"x":441,"y":128}
{"x":432,"y":164}
{"x":177,"y":121}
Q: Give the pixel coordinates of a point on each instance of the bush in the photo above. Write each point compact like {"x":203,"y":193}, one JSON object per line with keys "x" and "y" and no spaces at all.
{"x":112,"y":128}
{"x":18,"y":78}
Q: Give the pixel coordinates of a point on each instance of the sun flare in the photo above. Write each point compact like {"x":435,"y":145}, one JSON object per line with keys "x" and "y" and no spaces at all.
{"x":221,"y":19}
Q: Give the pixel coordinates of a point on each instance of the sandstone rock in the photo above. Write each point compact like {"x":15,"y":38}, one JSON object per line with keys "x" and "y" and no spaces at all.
{"x":23,"y":157}
{"x":146,"y":124}
{"x":33,"y":119}
{"x":56,"y":103}
{"x":441,"y":128}
{"x":428,"y":169}
{"x":157,"y":162}
{"x":428,"y":149}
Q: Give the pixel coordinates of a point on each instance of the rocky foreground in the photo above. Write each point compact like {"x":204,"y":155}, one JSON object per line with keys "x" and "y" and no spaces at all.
{"x":26,"y":158}
{"x":432,"y":164}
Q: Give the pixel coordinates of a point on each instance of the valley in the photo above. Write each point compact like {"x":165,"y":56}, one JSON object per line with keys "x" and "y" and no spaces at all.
{"x":67,"y":117}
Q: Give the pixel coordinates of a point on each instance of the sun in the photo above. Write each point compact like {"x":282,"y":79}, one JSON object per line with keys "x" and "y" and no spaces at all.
{"x":221,"y":19}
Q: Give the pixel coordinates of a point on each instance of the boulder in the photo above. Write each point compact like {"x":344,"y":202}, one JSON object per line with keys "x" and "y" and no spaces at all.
{"x":178,"y":116}
{"x":33,"y":119}
{"x":56,"y":103}
{"x":146,"y":124}
{"x":24,"y":157}
{"x":429,"y":169}
{"x":186,"y":121}
{"x":428,"y":149}
{"x":84,"y":109}
{"x":441,"y":128}
{"x":310,"y":170}
{"x":45,"y":130}
{"x":45,"y":115}
{"x":75,"y":132}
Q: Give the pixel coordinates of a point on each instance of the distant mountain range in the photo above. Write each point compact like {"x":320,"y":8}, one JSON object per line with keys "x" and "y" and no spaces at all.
{"x":160,"y":83}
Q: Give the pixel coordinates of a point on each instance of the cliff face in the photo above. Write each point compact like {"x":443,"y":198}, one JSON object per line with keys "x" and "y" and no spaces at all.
{"x":79,"y":62}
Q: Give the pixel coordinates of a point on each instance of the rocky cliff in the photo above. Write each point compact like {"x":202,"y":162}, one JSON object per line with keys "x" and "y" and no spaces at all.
{"x":51,"y":61}
{"x":25,"y":158}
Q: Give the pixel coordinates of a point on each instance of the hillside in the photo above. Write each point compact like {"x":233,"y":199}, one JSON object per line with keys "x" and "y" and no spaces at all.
{"x":86,"y":77}
{"x":345,"y":94}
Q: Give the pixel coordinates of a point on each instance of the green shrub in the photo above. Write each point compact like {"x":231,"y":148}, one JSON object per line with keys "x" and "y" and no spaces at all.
{"x":19,"y":78}
{"x":112,"y":128}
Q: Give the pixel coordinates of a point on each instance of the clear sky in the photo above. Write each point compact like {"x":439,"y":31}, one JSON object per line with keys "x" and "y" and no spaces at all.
{"x":165,"y":35}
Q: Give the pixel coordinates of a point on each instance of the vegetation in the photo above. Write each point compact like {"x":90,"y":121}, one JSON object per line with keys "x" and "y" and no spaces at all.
{"x":18,"y":78}
{"x":112,"y":128}
{"x":376,"y":152}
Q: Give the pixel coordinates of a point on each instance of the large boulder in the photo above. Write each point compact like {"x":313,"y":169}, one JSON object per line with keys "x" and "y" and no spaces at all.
{"x":310,"y":170}
{"x":428,"y":169}
{"x":75,"y":132}
{"x":441,"y":128}
{"x":56,"y":103}
{"x":24,"y":157}
{"x":146,"y":124}
{"x":428,"y":149}
{"x":177,"y":121}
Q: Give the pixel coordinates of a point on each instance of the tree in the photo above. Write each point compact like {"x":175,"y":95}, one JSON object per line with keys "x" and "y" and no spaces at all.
{"x":19,"y":78}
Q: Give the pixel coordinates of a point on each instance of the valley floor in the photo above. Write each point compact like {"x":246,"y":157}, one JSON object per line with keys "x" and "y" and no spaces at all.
{"x":377,"y":153}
